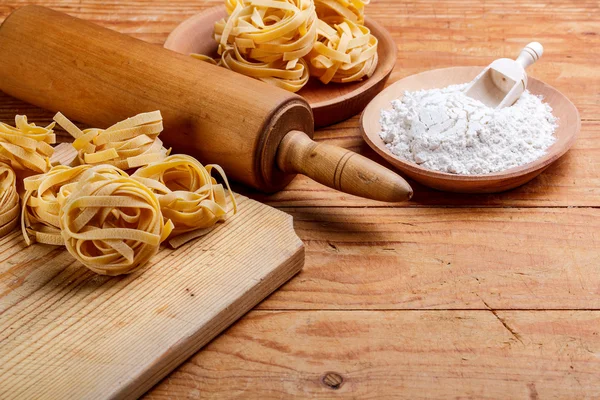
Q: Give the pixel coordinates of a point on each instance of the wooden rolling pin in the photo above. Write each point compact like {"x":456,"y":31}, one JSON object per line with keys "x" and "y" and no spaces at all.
{"x":259,"y":134}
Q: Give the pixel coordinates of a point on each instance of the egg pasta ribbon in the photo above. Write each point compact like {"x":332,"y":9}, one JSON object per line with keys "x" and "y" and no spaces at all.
{"x":345,"y":52}
{"x":26,"y":146}
{"x":112,"y":223}
{"x":188,"y":195}
{"x":9,"y":200}
{"x":127,"y":144}
{"x":267,"y":40}
{"x":352,"y":10}
{"x":41,"y":203}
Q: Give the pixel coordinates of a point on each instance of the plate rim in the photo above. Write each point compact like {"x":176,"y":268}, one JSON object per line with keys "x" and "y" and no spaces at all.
{"x":522,"y":170}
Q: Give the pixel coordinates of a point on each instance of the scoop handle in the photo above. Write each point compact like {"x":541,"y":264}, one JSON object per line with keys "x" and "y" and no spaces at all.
{"x":530,"y":54}
{"x":340,"y":169}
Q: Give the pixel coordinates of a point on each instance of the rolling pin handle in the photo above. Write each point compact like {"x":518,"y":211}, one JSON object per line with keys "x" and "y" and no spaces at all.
{"x":340,"y":169}
{"x":530,"y":54}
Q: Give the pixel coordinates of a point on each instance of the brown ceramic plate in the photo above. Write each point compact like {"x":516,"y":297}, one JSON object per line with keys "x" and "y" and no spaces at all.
{"x":569,"y":125}
{"x":330,"y":103}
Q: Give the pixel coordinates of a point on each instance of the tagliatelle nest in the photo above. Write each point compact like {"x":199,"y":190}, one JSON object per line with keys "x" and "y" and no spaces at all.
{"x":9,"y":200}
{"x":352,"y":10}
{"x":41,"y":203}
{"x":284,"y":42}
{"x":267,"y":39}
{"x":127,"y":144}
{"x":188,"y":195}
{"x":112,"y":223}
{"x":26,"y":146}
{"x":345,"y":52}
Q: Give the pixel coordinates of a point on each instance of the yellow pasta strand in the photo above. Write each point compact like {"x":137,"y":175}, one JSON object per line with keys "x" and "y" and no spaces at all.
{"x":127,"y":144}
{"x":26,"y":146}
{"x":345,"y":52}
{"x":267,"y":40}
{"x":9,"y":200}
{"x":110,"y":222}
{"x":352,"y":10}
{"x":188,"y":195}
{"x":284,"y":42}
{"x":41,"y":203}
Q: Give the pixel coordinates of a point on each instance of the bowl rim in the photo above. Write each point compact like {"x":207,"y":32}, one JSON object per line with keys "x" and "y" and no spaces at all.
{"x":553,"y":153}
{"x":367,"y":84}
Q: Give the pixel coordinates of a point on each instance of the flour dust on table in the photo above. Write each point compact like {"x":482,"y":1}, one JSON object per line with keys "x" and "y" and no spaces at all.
{"x":444,"y":130}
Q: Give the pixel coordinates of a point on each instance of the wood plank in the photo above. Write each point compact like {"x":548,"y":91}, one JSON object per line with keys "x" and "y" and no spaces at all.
{"x":66,"y":332}
{"x":446,"y":258}
{"x":408,"y":355}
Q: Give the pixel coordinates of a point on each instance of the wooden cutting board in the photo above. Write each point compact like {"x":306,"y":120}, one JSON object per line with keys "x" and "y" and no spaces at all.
{"x":67,"y":333}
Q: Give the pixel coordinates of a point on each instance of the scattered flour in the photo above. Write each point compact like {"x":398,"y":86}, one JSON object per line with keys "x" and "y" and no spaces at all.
{"x":444,"y":130}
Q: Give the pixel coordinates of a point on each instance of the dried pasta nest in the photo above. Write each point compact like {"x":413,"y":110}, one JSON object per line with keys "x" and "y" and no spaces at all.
{"x":267,"y":40}
{"x":188,"y":195}
{"x":9,"y":199}
{"x":276,"y":73}
{"x":112,"y":223}
{"x":26,"y":146}
{"x":352,"y":10}
{"x":41,"y":203}
{"x":345,"y":52}
{"x":127,"y":144}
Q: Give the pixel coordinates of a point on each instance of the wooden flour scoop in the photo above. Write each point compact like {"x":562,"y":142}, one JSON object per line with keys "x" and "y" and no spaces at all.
{"x":503,"y":81}
{"x":259,"y":134}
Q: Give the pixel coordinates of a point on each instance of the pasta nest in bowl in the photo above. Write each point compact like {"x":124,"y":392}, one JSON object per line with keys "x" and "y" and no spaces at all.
{"x":344,"y":52}
{"x":267,"y":40}
{"x":352,"y":10}
{"x":110,"y":222}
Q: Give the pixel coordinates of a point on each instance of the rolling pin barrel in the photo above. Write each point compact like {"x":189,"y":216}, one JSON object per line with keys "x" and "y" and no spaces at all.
{"x":98,"y":76}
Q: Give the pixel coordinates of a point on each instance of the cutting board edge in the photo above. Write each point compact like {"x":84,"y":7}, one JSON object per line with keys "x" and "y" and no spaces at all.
{"x":171,"y":360}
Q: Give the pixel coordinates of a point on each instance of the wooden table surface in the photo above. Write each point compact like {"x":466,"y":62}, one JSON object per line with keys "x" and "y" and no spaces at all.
{"x":471,"y":296}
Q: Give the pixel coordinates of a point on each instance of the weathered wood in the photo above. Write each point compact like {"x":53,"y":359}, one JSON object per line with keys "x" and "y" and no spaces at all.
{"x":66,"y":332}
{"x":406,"y":355}
{"x":461,"y":258}
{"x":414,"y":354}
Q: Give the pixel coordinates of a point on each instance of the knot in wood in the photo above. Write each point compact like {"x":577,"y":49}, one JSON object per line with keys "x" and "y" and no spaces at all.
{"x":332,"y":380}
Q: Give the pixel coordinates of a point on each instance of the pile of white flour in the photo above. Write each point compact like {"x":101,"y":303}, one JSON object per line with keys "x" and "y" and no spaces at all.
{"x":444,"y":130}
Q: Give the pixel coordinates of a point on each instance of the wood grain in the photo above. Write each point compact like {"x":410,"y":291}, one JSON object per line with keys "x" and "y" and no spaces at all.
{"x":454,"y":353}
{"x":462,"y":258}
{"x":404,"y":355}
{"x":66,"y":332}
